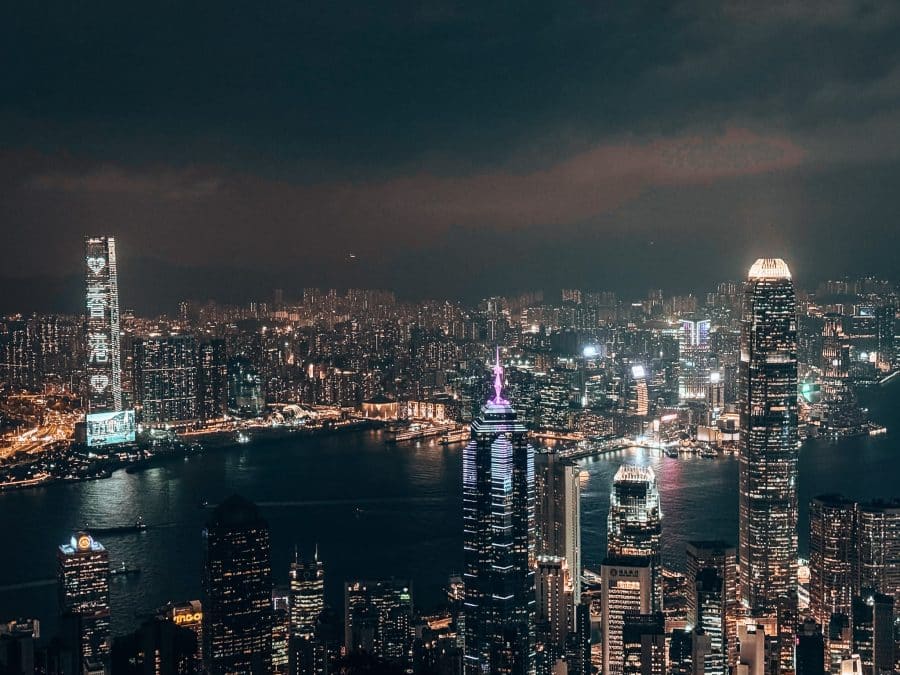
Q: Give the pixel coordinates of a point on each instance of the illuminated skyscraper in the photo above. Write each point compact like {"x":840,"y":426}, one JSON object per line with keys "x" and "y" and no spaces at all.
{"x":82,"y":570}
{"x":378,"y":619}
{"x":693,"y":359}
{"x":498,"y":541}
{"x":768,"y":453}
{"x":558,"y":513}
{"x":307,"y":586}
{"x":634,"y":526}
{"x":165,"y":378}
{"x":626,"y":586}
{"x":104,"y":365}
{"x":832,"y":556}
{"x":237,"y":588}
{"x":878,"y":529}
{"x":644,"y":644}
{"x":721,"y":557}
{"x":212,"y":379}
{"x":555,"y":612}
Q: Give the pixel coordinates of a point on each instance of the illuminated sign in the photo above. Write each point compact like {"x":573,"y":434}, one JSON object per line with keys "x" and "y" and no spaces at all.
{"x":638,"y":372}
{"x":110,"y":428}
{"x":188,"y":618}
{"x":84,"y":543}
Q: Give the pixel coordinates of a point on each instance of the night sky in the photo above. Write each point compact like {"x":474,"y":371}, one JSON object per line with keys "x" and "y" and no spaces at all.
{"x":445,"y":148}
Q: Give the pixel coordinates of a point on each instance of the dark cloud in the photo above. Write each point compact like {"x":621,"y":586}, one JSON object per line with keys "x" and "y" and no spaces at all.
{"x":280,"y":135}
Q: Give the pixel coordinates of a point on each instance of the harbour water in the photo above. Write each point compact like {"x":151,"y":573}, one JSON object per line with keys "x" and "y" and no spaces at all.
{"x":373,"y":509}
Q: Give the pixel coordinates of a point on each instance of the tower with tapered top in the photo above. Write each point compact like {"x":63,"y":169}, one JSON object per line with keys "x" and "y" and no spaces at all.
{"x":498,"y":540}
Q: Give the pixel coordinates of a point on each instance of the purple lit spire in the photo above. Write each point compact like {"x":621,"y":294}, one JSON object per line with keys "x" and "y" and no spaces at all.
{"x":498,"y":382}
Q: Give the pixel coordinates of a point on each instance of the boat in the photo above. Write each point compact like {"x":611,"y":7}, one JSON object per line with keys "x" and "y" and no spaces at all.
{"x":709,"y":453}
{"x":124,"y":570}
{"x":242,"y":438}
{"x":138,"y":526}
{"x":672,"y":452}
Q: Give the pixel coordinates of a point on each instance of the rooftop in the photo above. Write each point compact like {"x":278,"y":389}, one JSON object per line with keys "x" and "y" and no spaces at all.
{"x":769,"y":268}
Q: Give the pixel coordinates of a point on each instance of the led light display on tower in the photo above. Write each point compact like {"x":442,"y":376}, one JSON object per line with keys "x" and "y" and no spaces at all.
{"x":103,"y":367}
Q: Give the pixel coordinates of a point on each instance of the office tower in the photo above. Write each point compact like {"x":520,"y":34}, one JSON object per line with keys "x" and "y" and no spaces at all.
{"x":555,"y":610}
{"x":626,"y":585}
{"x":768,"y":449}
{"x":498,"y":540}
{"x":237,"y":589}
{"x":558,"y":513}
{"x":643,"y":644}
{"x":281,"y":631}
{"x":102,"y":334}
{"x":638,"y":401}
{"x":82,"y":572}
{"x":752,"y":655}
{"x":212,"y":379}
{"x":634,"y":525}
{"x":693,"y":359}
{"x":188,"y":615}
{"x":873,"y":631}
{"x":722,"y":557}
{"x":832,"y":553}
{"x":307,"y":594}
{"x":851,"y":665}
{"x":878,"y":532}
{"x":885,"y":322}
{"x":710,"y":593}
{"x":378,"y":619}
{"x":17,"y":639}
{"x":165,"y":378}
{"x":246,"y":396}
{"x":158,"y":647}
{"x":810,"y":649}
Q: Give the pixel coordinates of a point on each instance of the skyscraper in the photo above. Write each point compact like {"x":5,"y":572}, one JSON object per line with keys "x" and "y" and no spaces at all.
{"x":626,"y":586}
{"x":165,"y":378}
{"x":558,"y":512}
{"x":878,"y":529}
{"x":643,"y":644}
{"x":832,"y":556}
{"x":378,"y":619}
{"x":768,"y":452}
{"x":82,"y":570}
{"x":634,"y":525}
{"x":212,"y":379}
{"x":693,"y":359}
{"x":307,"y":593}
{"x":555,"y":611}
{"x":104,"y":360}
{"x":498,"y":541}
{"x":721,"y":557}
{"x":237,"y":588}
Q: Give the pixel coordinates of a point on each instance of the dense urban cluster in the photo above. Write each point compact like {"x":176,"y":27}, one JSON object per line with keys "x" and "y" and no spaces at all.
{"x":529,"y":384}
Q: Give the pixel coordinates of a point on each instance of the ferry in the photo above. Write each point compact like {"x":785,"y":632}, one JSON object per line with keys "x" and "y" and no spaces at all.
{"x":460,"y":435}
{"x":124,"y":570}
{"x":138,"y":526}
{"x":242,"y":438}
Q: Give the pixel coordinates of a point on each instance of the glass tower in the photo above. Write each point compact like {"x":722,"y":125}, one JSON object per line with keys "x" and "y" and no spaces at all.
{"x":83,"y":582}
{"x":498,"y":541}
{"x":768,"y":455}
{"x":103,"y":348}
{"x":634,"y":526}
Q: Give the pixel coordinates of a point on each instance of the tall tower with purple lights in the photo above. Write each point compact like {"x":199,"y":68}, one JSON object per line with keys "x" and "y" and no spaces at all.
{"x":498,"y":540}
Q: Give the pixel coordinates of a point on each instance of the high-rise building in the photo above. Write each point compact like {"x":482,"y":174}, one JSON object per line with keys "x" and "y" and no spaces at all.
{"x":721,"y":557}
{"x":768,"y":450}
{"x":555,"y":609}
{"x":634,"y":525}
{"x":212,"y":379}
{"x":246,"y":396}
{"x":17,"y":642}
{"x":873,"y":631}
{"x":157,"y":647}
{"x":307,"y":593}
{"x":711,"y":604}
{"x":558,"y":513}
{"x":693,"y":359}
{"x":237,"y":588}
{"x":498,"y":541}
{"x":103,"y":346}
{"x":626,"y":585}
{"x":378,"y":619}
{"x":82,"y":570}
{"x":643,"y":644}
{"x":878,"y":532}
{"x":165,"y":378}
{"x":832,"y":556}
{"x":752,"y":655}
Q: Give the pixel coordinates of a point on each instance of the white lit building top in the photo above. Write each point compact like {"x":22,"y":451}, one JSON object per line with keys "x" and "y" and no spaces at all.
{"x":769,"y":268}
